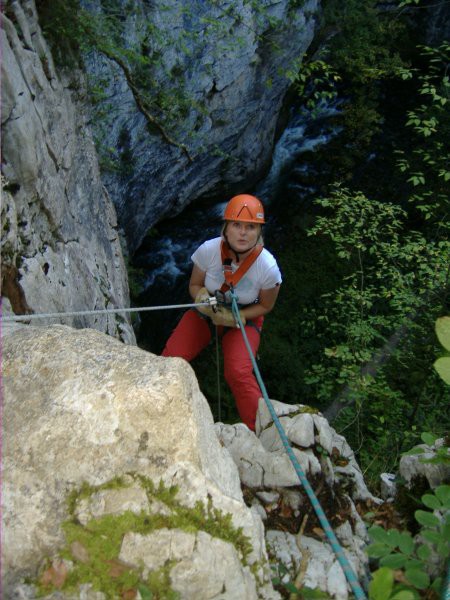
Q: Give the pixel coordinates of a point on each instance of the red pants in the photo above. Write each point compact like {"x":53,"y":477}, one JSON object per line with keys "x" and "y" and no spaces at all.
{"x":193,"y":334}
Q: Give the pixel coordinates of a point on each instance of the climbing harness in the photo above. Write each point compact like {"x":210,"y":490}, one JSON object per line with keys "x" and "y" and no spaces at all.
{"x":337,"y":548}
{"x":232,"y":279}
{"x":106,"y":311}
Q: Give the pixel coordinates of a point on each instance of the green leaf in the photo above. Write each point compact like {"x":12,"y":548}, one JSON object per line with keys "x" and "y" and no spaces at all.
{"x":423,"y":552}
{"x":442,"y":366}
{"x":437,"y":584}
{"x":403,"y":595}
{"x":394,"y":561}
{"x":145,"y":593}
{"x":443,"y":549}
{"x":310,"y":594}
{"x":380,"y":587}
{"x":443,"y":493}
{"x":378,"y":550}
{"x":428,"y":438}
{"x":443,"y":331}
{"x":418,"y":578}
{"x":414,"y":563}
{"x":406,"y":543}
{"x":431,"y":501}
{"x":426,"y":518}
{"x":394,"y":538}
{"x":431,"y":535}
{"x":378,"y":534}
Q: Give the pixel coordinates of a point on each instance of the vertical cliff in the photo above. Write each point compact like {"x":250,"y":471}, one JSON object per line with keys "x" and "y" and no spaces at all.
{"x":215,"y":77}
{"x":60,"y":244}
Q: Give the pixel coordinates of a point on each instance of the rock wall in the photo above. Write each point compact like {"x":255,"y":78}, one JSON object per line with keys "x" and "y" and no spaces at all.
{"x":112,"y":465}
{"x":60,"y":244}
{"x":128,"y":438}
{"x":226,"y":63}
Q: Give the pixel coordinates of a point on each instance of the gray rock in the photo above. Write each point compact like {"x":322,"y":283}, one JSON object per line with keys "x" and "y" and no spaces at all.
{"x":264,"y":466}
{"x":153,"y":550}
{"x":268,"y":497}
{"x":388,"y":487}
{"x":114,"y":502}
{"x":264,"y":418}
{"x":413,"y":466}
{"x":225,"y":57}
{"x":312,"y":563}
{"x":61,"y":225}
{"x":83,"y":408}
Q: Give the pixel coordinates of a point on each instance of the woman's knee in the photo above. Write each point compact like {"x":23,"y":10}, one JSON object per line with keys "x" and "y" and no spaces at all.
{"x":236,"y":371}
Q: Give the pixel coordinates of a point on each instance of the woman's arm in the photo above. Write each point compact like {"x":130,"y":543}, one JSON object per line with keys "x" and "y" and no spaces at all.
{"x":197,"y":281}
{"x":266,"y":302}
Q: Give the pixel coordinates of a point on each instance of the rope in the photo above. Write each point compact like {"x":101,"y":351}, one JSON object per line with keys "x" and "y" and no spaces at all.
{"x":219,"y":399}
{"x":337,"y":548}
{"x":105,"y":311}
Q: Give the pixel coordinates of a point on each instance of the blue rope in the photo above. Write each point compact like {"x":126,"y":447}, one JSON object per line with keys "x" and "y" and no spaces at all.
{"x":446,"y":588}
{"x":337,"y":548}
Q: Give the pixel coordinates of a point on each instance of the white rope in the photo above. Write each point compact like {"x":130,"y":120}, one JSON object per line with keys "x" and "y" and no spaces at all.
{"x":106,"y":311}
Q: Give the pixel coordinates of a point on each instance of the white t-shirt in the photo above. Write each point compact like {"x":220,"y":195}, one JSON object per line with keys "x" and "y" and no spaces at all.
{"x":264,"y":273}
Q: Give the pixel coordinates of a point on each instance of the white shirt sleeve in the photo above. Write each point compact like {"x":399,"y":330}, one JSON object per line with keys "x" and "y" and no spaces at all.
{"x":203,"y":256}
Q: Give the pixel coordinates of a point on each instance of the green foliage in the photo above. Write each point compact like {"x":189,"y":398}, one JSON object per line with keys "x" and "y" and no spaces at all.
{"x":356,"y":49}
{"x":390,"y":274}
{"x":314,"y":82}
{"x":407,"y":564}
{"x":442,"y":365}
{"x":427,"y":166}
{"x":101,"y":540}
{"x":441,"y":457}
{"x":136,"y":277}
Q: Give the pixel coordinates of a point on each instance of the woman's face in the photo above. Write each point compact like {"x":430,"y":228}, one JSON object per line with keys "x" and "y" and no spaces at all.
{"x":242,"y":236}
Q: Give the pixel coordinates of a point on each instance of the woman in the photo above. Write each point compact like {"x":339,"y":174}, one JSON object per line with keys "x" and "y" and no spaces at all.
{"x":236,"y":259}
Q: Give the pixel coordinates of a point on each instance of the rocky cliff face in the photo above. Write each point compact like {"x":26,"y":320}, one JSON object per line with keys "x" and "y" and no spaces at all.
{"x":218,"y":72}
{"x":60,"y":245}
{"x":145,"y":489}
{"x":141,"y":455}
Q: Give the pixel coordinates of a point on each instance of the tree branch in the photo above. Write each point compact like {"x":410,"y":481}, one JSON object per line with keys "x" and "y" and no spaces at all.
{"x":140,"y":103}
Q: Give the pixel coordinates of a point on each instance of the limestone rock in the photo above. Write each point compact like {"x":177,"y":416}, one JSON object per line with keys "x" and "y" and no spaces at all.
{"x":59,"y":227}
{"x":222,"y":69}
{"x":388,"y":486}
{"x":271,"y":481}
{"x":206,"y":567}
{"x":84,"y":409}
{"x":312,"y":563}
{"x":413,"y":466}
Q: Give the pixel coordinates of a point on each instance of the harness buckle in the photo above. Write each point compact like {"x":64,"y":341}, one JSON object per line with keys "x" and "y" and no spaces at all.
{"x":220,"y":299}
{"x":212,"y":301}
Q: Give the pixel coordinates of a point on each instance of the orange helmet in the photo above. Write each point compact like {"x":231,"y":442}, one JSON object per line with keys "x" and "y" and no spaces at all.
{"x":245,"y":208}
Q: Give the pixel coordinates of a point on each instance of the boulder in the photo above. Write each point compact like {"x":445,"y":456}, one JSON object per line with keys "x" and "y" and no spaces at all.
{"x":414,"y":466}
{"x":294,"y":534}
{"x":102,"y":436}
